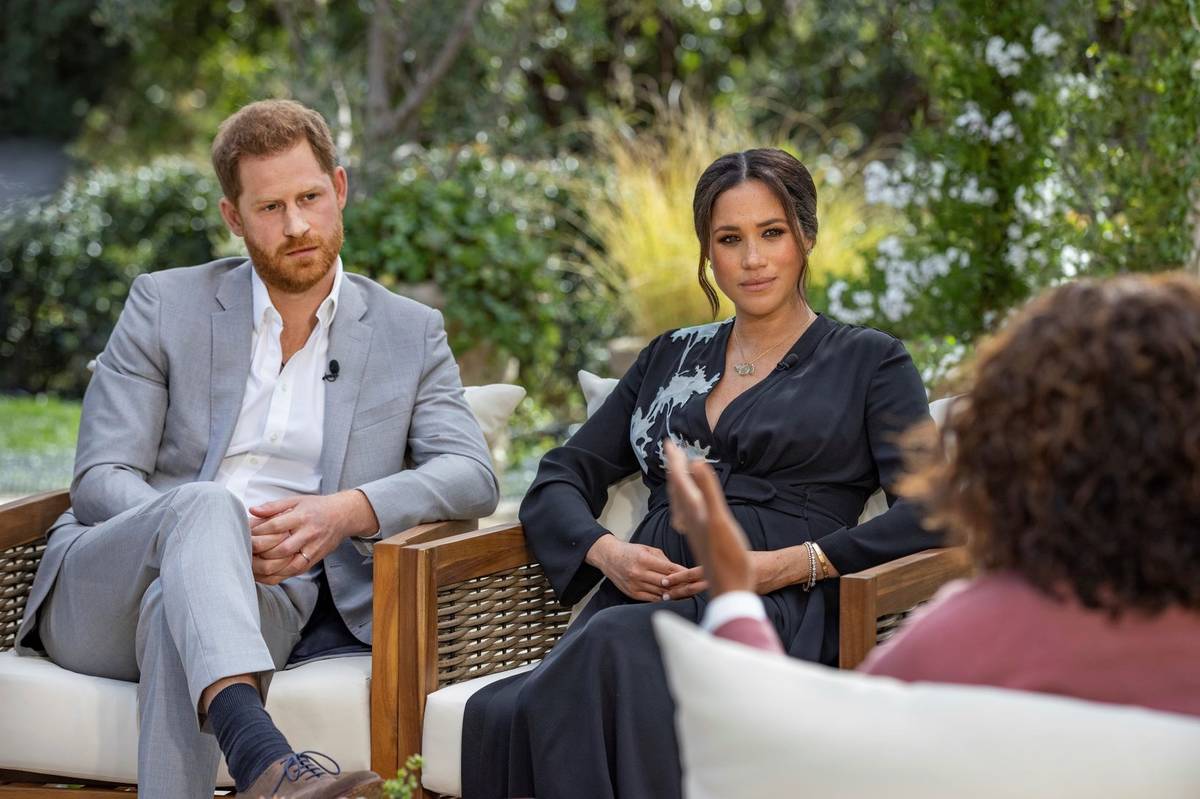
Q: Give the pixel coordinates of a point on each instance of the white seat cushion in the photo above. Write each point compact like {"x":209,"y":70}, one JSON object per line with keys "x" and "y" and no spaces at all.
{"x":441,"y":737}
{"x":756,"y":724}
{"x":58,"y":722}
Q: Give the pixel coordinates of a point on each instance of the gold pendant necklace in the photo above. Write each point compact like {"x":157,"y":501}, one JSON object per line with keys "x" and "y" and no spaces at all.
{"x":746,"y":367}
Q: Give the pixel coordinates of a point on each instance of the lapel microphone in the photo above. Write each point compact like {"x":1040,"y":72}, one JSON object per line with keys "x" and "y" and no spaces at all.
{"x":332,"y":374}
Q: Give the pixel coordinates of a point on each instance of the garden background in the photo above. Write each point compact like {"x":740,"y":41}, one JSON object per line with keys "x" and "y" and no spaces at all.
{"x":527,"y":166}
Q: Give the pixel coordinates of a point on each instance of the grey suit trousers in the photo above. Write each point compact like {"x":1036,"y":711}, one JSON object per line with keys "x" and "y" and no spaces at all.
{"x":163,"y":594}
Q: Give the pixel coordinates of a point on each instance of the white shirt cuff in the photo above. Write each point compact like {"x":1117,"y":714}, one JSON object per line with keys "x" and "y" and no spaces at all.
{"x":730,"y":606}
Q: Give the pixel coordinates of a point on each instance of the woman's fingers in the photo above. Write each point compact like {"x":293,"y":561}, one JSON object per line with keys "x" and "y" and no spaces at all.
{"x":683,"y":576}
{"x":687,"y":589}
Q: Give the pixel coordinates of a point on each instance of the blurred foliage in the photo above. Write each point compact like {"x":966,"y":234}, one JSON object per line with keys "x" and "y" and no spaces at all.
{"x":37,"y":424}
{"x":1060,"y":141}
{"x":191,"y":64}
{"x":407,"y":782}
{"x":54,"y":65}
{"x":66,"y":264}
{"x":486,"y":231}
{"x":642,"y":219}
{"x":534,"y":70}
{"x":493,"y":234}
{"x":1017,"y":145}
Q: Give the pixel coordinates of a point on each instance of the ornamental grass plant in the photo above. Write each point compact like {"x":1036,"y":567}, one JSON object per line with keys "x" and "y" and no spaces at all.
{"x":640,"y":221}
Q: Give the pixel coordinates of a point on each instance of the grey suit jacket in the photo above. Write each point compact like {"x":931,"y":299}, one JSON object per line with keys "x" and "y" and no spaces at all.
{"x":161,"y":408}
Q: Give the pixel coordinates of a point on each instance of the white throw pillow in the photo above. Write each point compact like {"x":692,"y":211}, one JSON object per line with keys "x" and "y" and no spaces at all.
{"x":627,"y":499}
{"x":492,"y":405}
{"x":877,"y":502}
{"x":756,"y":724}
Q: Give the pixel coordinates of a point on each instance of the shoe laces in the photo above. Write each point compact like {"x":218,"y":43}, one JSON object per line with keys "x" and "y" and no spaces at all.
{"x":303,"y":766}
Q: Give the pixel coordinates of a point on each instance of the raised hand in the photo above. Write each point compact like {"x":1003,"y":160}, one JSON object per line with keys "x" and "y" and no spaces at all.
{"x":699,"y":511}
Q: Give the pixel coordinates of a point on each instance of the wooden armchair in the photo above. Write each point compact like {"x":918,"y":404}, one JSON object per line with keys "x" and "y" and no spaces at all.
{"x":23,"y":525}
{"x":478,"y":603}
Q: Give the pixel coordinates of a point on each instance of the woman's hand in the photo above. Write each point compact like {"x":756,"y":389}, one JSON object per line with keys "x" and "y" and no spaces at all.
{"x":637,"y":570}
{"x":699,"y":511}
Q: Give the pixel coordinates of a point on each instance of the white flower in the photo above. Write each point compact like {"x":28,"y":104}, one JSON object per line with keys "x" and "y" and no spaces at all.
{"x":882,"y":186}
{"x":1004,"y":57}
{"x":1045,"y":41}
{"x":1037,"y":203}
{"x":890,"y":247}
{"x":1023,"y":98}
{"x":971,"y":192}
{"x":1072,"y":260}
{"x":859,"y":312}
{"x":1002,"y":128}
{"x":971,"y":120}
{"x":1016,"y":256}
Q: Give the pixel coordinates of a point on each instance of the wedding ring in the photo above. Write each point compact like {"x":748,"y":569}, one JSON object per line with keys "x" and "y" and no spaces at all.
{"x":306,"y":557}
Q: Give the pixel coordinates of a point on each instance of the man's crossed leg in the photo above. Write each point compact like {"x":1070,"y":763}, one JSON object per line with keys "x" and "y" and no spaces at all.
{"x":163,"y":594}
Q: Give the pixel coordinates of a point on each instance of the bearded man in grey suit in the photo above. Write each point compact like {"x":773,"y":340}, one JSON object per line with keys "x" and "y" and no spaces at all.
{"x":245,"y":435}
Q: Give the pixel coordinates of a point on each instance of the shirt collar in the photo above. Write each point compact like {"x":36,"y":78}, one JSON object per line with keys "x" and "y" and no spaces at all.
{"x":263,"y":309}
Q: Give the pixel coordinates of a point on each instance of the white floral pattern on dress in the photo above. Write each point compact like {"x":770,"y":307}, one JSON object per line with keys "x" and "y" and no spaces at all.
{"x":682,"y":386}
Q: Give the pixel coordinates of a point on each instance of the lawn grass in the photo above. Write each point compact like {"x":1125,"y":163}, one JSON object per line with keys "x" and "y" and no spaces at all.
{"x":37,"y":424}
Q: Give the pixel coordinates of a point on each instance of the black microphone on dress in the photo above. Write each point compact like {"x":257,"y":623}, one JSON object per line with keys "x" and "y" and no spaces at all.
{"x":333,"y":372}
{"x":789,"y":360}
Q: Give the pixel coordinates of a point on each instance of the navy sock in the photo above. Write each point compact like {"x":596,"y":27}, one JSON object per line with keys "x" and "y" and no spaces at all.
{"x":250,"y":740}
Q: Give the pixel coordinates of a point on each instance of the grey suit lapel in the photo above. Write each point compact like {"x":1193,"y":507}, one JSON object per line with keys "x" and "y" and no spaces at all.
{"x":231,"y":339}
{"x":349,"y":344}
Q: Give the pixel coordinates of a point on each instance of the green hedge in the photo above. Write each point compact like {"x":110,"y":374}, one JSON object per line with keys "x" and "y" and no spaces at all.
{"x":66,"y":265}
{"x":493,"y":234}
{"x":496,"y":236}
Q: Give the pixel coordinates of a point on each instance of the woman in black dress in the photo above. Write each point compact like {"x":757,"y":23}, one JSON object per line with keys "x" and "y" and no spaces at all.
{"x":798,"y":414}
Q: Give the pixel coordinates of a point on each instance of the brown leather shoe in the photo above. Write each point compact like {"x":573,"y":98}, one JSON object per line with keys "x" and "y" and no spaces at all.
{"x":301,"y":776}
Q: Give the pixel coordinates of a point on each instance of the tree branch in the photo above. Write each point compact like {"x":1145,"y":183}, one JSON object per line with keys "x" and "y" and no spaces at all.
{"x":428,"y":79}
{"x":379,"y":58}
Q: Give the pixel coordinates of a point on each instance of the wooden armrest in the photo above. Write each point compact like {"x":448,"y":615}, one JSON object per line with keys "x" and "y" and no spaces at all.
{"x":26,"y":520}
{"x":408,"y":574}
{"x":431,"y":531}
{"x":891,"y":587}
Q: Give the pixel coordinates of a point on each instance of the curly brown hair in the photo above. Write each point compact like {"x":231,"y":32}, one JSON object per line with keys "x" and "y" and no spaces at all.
{"x":1074,"y":458}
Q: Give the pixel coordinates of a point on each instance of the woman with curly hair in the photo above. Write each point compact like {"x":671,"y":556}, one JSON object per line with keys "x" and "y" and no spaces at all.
{"x":1072,"y":468}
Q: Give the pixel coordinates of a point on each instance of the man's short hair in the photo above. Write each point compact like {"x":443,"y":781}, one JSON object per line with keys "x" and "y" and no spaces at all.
{"x":264,"y":128}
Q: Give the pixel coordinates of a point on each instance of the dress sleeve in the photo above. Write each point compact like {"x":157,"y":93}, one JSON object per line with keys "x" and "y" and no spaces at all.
{"x":895,"y":401}
{"x":571,"y":488}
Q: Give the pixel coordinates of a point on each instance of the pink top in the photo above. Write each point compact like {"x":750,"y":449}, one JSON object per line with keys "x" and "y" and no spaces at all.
{"x":998,"y":630}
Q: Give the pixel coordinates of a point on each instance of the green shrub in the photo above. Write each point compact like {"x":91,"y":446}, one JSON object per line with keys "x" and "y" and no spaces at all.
{"x":66,"y":264}
{"x":495,"y":236}
{"x":1060,"y":141}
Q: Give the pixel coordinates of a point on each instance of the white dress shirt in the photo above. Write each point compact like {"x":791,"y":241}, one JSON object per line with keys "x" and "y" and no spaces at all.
{"x":732,"y":605}
{"x":275,"y":451}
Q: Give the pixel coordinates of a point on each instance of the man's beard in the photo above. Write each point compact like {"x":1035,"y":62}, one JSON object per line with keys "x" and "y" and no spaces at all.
{"x":296,"y":275}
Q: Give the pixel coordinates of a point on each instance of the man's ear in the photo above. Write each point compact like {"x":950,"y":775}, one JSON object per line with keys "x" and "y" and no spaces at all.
{"x":341,"y":185}
{"x":233,"y":220}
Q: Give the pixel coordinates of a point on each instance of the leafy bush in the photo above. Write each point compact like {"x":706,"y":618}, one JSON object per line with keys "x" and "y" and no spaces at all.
{"x":495,"y":235}
{"x":66,"y":264}
{"x":1059,"y":142}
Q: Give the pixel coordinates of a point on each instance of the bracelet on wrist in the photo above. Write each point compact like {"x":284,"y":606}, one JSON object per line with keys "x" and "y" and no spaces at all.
{"x":812,"y":566}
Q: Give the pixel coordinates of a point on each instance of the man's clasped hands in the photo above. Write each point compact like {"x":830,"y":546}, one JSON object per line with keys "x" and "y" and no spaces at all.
{"x":289,"y":536}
